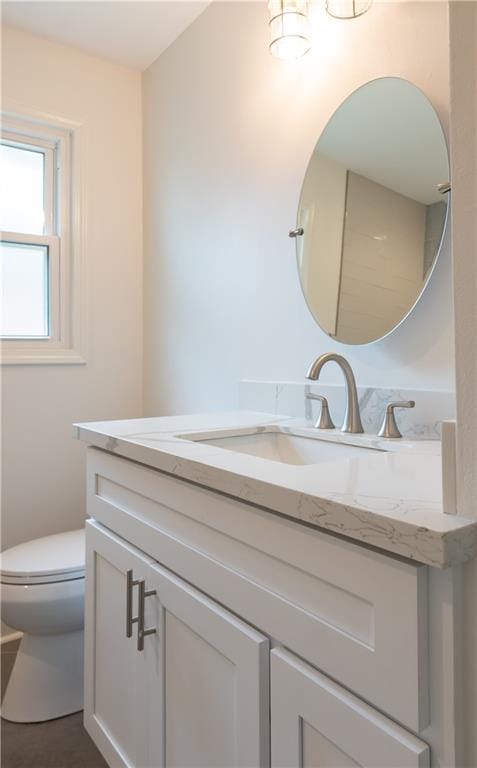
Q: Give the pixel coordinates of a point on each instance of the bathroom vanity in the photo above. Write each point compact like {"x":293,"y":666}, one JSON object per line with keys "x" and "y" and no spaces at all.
{"x":264,"y":593}
{"x":261,"y":593}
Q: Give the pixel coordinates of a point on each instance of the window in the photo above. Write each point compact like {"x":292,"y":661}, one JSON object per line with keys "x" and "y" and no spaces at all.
{"x":30,"y":241}
{"x":37,"y":313}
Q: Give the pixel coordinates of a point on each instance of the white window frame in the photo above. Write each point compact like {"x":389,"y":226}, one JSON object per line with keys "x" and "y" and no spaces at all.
{"x":60,"y":141}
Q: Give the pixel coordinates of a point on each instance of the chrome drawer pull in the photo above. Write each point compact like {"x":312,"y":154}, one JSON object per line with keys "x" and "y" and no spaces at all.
{"x":141,"y":631}
{"x":130,"y":583}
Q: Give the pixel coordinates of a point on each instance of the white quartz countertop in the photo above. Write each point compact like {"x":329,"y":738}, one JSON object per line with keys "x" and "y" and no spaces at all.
{"x":391,"y":500}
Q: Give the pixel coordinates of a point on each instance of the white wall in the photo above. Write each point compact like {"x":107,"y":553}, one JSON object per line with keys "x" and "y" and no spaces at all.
{"x":463,"y":44}
{"x":464,"y":214}
{"x":228,"y":133}
{"x":43,"y":467}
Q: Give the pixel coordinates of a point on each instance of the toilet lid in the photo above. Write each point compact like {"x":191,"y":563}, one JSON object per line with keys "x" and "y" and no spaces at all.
{"x":50,"y":559}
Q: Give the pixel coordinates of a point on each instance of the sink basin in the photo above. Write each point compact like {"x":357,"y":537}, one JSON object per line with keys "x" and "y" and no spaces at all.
{"x":286,"y":447}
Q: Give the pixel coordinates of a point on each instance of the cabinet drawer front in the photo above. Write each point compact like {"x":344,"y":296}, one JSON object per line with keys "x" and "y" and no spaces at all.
{"x":359,"y":616}
{"x":317,"y":724}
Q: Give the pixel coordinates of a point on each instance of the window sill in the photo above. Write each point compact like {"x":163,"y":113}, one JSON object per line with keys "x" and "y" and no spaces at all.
{"x":31,"y":356}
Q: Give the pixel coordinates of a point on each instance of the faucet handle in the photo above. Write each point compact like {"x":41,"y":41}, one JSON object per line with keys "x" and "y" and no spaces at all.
{"x":324,"y":421}
{"x":389,"y":427}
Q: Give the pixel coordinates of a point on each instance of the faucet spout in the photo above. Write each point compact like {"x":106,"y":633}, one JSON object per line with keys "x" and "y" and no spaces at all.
{"x":352,"y":420}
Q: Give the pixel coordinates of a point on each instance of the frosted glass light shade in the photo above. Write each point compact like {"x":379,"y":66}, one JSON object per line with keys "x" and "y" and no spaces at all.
{"x":347,"y":9}
{"x":289,"y":28}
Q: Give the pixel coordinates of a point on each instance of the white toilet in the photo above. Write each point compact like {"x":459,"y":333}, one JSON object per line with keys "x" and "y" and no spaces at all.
{"x":43,"y":597}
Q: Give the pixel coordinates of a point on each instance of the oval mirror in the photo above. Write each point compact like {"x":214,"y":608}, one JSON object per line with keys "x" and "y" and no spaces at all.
{"x":373,"y":210}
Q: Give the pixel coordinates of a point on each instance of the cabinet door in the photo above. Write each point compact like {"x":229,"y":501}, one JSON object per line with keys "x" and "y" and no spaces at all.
{"x":215,"y":683}
{"x":115,"y":712}
{"x":318,"y":724}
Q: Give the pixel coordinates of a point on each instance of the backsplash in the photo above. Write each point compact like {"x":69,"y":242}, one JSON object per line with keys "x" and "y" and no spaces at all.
{"x":288,"y":399}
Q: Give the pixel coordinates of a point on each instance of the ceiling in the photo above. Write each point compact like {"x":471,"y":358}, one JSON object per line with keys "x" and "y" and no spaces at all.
{"x":130,"y":32}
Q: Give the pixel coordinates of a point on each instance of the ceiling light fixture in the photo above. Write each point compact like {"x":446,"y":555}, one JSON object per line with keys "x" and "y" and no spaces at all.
{"x":347,"y":9}
{"x":289,"y":28}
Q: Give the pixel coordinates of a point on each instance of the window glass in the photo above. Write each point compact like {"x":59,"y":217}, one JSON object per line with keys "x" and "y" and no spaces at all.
{"x":21,"y":190}
{"x":24,"y":290}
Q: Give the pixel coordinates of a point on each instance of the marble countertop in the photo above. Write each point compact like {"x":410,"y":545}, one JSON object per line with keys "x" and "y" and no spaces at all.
{"x":391,"y":500}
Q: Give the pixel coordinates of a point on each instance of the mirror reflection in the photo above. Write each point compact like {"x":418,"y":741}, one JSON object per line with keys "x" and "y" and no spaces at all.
{"x":373,"y":211}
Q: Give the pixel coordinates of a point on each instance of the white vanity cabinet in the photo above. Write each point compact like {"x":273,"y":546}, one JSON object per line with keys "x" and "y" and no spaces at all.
{"x":196,"y":693}
{"x":317,"y":724}
{"x":119,"y":690}
{"x":275,"y":644}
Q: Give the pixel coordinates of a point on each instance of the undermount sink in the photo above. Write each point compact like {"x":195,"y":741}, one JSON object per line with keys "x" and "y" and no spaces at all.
{"x":275,"y":444}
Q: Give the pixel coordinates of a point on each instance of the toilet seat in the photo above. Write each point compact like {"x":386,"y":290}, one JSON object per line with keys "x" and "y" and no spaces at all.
{"x":43,"y":597}
{"x":32,"y":579}
{"x":51,"y":559}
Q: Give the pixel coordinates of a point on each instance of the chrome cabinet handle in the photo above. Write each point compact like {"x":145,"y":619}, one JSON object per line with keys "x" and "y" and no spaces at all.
{"x":296,"y":232}
{"x":130,"y":620}
{"x":141,"y":631}
{"x":389,"y":427}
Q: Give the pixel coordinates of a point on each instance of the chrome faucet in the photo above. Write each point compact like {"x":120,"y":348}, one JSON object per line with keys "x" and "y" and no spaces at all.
{"x":352,"y":419}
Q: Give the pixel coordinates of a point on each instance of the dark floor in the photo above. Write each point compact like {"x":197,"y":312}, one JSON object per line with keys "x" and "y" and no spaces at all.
{"x":61,"y":743}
